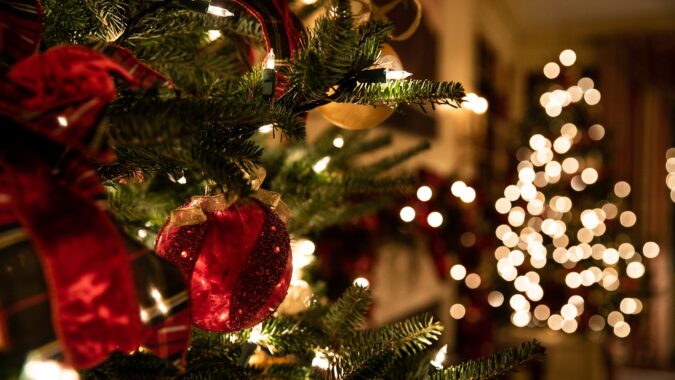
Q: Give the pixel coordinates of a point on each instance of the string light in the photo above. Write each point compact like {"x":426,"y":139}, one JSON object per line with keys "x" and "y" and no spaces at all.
{"x":219,"y":11}
{"x":321,"y":165}
{"x":265,"y":129}
{"x":62,"y":120}
{"x":568,"y":57}
{"x":397,"y":74}
{"x":475,"y":103}
{"x":256,"y":334}
{"x":407,"y":214}
{"x":338,"y":142}
{"x":213,"y":34}
{"x":362,"y":282}
{"x":458,"y":272}
{"x":435,"y":219}
{"x":457,"y":311}
{"x":438,"y":360}
{"x":48,"y":370}
{"x":320,"y":360}
{"x":424,"y":193}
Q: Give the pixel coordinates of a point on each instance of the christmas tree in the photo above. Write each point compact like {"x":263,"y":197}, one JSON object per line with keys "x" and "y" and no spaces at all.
{"x":143,"y":125}
{"x":565,"y":206}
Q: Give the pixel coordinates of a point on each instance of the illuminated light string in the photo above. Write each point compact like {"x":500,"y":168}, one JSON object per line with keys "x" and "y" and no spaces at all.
{"x":670,"y":168}
{"x":534,"y":219}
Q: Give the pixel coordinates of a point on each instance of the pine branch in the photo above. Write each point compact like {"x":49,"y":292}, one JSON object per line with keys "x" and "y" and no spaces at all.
{"x":495,"y":365}
{"x":393,"y":93}
{"x":347,"y":315}
{"x":371,"y":353}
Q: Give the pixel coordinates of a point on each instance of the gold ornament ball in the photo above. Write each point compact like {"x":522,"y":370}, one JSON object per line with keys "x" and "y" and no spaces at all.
{"x":359,"y":116}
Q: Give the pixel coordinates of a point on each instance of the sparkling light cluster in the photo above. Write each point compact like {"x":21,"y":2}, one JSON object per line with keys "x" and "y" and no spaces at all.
{"x":670,"y":168}
{"x":546,"y":230}
{"x":557,"y":98}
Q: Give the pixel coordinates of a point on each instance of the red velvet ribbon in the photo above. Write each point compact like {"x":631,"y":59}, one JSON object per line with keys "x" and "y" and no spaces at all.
{"x":55,"y":101}
{"x":92,"y":297}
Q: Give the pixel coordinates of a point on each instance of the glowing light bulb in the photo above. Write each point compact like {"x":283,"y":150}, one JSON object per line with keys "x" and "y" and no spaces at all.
{"x":495,"y":298}
{"x":270,"y":60}
{"x":62,"y":120}
{"x":320,"y":360}
{"x":362,"y":282}
{"x":265,"y":129}
{"x":407,"y":214}
{"x":435,"y":219}
{"x":551,"y":70}
{"x":568,"y":57}
{"x":397,"y":74}
{"x":440,"y":357}
{"x":338,"y":142}
{"x":321,"y":165}
{"x":213,"y":34}
{"x":457,"y":311}
{"x":424,"y":193}
{"x":219,"y":11}
{"x":458,"y":272}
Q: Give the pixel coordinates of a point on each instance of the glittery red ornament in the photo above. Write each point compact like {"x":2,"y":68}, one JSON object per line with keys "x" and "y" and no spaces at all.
{"x":237,"y":260}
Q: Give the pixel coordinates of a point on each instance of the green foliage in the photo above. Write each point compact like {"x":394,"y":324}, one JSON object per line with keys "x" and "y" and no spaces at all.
{"x":337,"y":331}
{"x":494,"y":365}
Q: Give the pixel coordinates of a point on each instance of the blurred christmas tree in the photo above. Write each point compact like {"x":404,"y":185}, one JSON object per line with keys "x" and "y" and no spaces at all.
{"x":117,"y":113}
{"x":567,"y":246}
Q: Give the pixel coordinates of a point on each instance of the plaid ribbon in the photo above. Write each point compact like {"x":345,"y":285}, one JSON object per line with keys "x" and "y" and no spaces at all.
{"x":280,"y":27}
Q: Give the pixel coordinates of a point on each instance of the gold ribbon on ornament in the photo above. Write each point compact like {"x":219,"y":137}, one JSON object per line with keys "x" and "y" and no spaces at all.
{"x":194,"y":213}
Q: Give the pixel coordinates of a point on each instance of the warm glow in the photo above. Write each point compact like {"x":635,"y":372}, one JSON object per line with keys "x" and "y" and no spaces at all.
{"x":407,"y":214}
{"x":424,"y":193}
{"x":362,"y":282}
{"x":435,"y":219}
{"x":596,"y":323}
{"x":622,"y":189}
{"x":472,"y":281}
{"x":650,"y":250}
{"x":592,"y":97}
{"x":586,"y":83}
{"x":568,"y":57}
{"x":48,"y":370}
{"x":596,"y":132}
{"x":458,"y":272}
{"x":320,"y":361}
{"x":62,"y":120}
{"x":321,"y":165}
{"x":338,"y":142}
{"x":495,"y":298}
{"x":622,"y":329}
{"x":542,"y":312}
{"x":457,"y":311}
{"x":213,"y":34}
{"x":219,"y":11}
{"x":551,"y":70}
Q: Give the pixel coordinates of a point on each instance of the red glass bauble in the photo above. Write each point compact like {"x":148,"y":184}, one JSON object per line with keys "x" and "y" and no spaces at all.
{"x":237,"y":260}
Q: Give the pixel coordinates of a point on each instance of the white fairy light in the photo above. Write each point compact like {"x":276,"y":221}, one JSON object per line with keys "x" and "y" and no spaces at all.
{"x":256,"y":334}
{"x":338,"y":142}
{"x":362,"y":282}
{"x":265,"y":129}
{"x":320,"y":360}
{"x":397,"y":75}
{"x":213,"y":34}
{"x":407,"y":214}
{"x":62,"y":120}
{"x":321,"y":165}
{"x":438,"y":360}
{"x":219,"y":11}
{"x":424,"y":193}
{"x":435,"y":219}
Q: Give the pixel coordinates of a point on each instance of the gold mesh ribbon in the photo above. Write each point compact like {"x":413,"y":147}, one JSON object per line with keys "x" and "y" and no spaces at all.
{"x":194,"y":213}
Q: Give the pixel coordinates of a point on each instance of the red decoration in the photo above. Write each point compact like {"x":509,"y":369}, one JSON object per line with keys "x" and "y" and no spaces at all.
{"x":50,"y":105}
{"x":237,"y":260}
